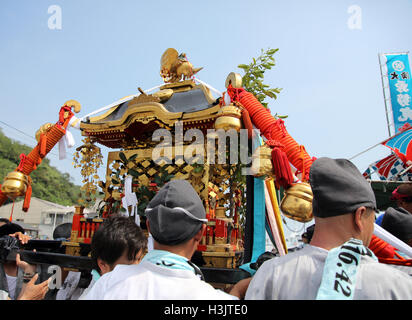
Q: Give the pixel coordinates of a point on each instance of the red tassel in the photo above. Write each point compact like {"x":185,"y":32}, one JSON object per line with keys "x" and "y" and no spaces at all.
{"x":247,"y":122}
{"x":3,"y":197}
{"x":23,"y":158}
{"x":11,"y":214}
{"x":62,"y":120}
{"x":43,"y":145}
{"x":27,"y":198}
{"x":234,"y":93}
{"x":281,"y":168}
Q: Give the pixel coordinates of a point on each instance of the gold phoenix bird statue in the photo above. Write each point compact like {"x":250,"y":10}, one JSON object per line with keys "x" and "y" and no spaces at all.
{"x":175,"y":66}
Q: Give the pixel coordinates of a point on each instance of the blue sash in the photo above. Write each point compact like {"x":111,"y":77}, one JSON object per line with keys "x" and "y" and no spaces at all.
{"x":95,"y":275}
{"x":341,"y":267}
{"x":167,"y":259}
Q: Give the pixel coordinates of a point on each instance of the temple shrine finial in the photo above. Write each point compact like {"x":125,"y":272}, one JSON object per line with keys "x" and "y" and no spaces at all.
{"x":175,"y":67}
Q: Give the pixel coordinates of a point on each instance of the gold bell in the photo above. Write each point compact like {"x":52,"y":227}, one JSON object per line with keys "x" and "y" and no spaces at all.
{"x":297,"y":203}
{"x":262,"y":162}
{"x":15,"y":185}
{"x":228,"y":118}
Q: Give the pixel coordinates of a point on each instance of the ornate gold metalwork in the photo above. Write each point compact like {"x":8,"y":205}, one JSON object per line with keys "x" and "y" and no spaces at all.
{"x":262,"y":162}
{"x":75,"y":105}
{"x":15,"y":184}
{"x":164,"y":94}
{"x":89,"y":158}
{"x":297,"y":203}
{"x":174,"y":67}
{"x":143,"y":98}
{"x":228,"y":118}
{"x":235,"y":79}
{"x":146,"y":168}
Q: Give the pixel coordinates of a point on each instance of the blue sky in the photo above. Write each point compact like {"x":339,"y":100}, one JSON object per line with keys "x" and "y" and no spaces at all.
{"x":329,"y":73}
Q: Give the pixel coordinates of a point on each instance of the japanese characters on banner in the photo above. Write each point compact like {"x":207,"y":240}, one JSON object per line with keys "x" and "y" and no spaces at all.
{"x":400,"y":86}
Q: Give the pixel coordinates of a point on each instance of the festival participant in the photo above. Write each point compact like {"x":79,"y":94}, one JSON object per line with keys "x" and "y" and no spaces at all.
{"x":337,"y":264}
{"x":176,"y":219}
{"x":18,"y":278}
{"x":398,"y":220}
{"x":119,"y":240}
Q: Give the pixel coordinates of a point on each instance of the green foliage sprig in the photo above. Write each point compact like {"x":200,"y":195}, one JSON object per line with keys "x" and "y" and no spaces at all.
{"x":254,"y":75}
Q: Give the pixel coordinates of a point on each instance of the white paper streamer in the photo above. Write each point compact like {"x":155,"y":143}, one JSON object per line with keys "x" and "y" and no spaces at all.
{"x":209,"y":86}
{"x":392,"y":240}
{"x":67,"y":141}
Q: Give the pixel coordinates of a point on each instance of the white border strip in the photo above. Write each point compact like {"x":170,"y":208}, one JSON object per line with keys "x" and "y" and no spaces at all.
{"x":184,"y":211}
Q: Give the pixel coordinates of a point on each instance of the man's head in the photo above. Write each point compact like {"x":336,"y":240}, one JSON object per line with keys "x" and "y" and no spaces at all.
{"x":62,"y":231}
{"x":176,"y":214}
{"x":117,"y":241}
{"x":403,"y":196}
{"x":10,"y":228}
{"x":4,"y":221}
{"x":342,"y":199}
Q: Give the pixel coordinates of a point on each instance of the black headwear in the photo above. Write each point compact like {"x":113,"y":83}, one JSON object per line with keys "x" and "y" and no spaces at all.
{"x":176,"y":213}
{"x":338,"y":188}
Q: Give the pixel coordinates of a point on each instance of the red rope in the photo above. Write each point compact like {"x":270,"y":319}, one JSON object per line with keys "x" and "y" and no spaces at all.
{"x":380,"y":248}
{"x":272,"y":129}
{"x":386,"y":253}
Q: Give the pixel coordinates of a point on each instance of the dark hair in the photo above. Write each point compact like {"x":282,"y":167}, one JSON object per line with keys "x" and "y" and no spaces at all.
{"x":116,"y":235}
{"x":62,"y":231}
{"x":10,"y":228}
{"x":4,"y":220}
{"x":309,"y":232}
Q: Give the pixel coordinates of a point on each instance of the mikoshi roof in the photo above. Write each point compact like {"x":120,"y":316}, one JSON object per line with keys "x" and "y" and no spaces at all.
{"x":185,"y":101}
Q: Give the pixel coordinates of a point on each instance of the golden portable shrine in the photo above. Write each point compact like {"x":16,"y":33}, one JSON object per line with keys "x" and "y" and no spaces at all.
{"x":184,"y":113}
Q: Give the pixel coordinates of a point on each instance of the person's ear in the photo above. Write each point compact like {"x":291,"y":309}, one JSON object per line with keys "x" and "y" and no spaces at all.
{"x":103,"y":266}
{"x":138,"y":257}
{"x":198,"y":236}
{"x":359,"y":219}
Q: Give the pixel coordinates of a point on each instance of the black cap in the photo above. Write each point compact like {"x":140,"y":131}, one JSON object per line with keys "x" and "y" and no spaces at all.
{"x":338,"y":188}
{"x":399,"y":223}
{"x":176,"y":213}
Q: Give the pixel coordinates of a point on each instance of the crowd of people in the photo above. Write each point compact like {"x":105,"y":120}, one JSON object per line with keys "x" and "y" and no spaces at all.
{"x":335,"y":262}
